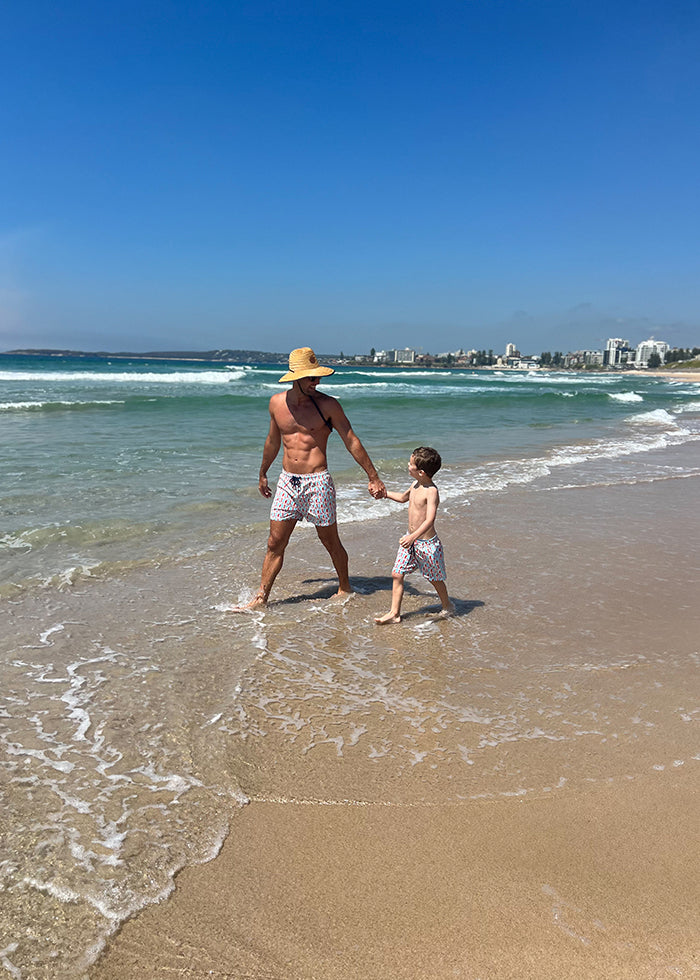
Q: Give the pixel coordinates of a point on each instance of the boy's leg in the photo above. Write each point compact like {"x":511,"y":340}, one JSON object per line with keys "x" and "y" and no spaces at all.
{"x":447,"y":604}
{"x":394,"y":614}
{"x":329,"y":538}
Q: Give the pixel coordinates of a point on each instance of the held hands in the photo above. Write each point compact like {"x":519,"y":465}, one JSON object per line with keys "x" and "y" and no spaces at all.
{"x":377,"y":489}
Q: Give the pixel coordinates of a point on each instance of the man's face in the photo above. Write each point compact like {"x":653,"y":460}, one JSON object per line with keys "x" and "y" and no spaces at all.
{"x":308,"y":385}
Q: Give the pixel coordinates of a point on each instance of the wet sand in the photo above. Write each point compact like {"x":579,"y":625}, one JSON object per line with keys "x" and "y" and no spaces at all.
{"x":534,"y":856}
{"x":589,"y":885}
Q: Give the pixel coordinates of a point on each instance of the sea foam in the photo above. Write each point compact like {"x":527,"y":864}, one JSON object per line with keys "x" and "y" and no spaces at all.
{"x":625,"y":396}
{"x":126,"y":377}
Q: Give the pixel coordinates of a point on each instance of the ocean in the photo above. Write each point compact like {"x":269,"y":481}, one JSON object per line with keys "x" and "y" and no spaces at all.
{"x":111,"y":462}
{"x":134,"y":703}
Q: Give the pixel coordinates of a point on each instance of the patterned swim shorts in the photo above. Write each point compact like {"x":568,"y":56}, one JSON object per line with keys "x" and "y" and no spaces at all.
{"x":426,"y":555}
{"x":305,"y":495}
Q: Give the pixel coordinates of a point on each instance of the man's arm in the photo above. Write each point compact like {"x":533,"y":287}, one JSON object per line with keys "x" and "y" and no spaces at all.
{"x":341,"y":424}
{"x":270,"y":450}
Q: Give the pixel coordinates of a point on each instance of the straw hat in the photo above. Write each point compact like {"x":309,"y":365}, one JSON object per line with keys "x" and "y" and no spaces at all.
{"x":303,"y":364}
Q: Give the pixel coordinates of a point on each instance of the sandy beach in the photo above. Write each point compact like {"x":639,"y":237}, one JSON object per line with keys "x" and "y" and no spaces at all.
{"x":531,"y":855}
{"x":681,"y":375}
{"x":557,"y":887}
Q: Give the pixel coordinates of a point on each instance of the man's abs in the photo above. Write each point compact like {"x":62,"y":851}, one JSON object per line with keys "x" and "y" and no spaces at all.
{"x":298,"y":458}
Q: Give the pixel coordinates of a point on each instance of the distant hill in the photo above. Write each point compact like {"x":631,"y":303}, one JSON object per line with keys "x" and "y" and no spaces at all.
{"x":683,"y":365}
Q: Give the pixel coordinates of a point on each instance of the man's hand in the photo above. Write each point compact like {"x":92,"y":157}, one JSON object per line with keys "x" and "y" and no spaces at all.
{"x":377,"y":489}
{"x":263,"y":487}
{"x":406,"y":541}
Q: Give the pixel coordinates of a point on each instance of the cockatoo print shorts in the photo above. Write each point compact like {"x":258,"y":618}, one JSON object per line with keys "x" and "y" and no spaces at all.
{"x":301,"y":496}
{"x":426,"y":555}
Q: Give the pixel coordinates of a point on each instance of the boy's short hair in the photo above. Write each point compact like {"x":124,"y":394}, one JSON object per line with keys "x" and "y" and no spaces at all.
{"x":427,"y":459}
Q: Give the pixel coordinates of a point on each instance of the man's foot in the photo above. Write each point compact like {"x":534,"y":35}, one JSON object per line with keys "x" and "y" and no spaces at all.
{"x":389,"y":618}
{"x":257,"y":602}
{"x":344,"y":593}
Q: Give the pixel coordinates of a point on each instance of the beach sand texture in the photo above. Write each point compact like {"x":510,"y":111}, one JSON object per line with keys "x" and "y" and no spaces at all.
{"x":511,"y":793}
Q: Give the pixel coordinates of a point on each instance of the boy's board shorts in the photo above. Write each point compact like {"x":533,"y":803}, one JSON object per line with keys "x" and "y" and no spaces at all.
{"x":426,"y":555}
{"x":305,"y":495}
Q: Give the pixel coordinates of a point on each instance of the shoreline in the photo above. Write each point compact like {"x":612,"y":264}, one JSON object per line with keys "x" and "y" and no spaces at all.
{"x":507,"y":856}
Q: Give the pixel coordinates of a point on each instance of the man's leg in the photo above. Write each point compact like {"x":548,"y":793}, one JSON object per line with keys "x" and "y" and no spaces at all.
{"x":280,"y":533}
{"x":328,"y":536}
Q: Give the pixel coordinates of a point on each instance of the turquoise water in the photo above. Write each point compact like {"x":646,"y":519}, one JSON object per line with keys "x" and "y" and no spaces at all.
{"x":118,"y":460}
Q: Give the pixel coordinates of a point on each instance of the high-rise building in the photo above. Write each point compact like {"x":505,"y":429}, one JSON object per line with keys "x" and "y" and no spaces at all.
{"x":647,"y":348}
{"x":617,"y":352}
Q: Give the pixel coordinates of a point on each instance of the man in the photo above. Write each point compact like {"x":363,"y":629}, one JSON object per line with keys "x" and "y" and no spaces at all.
{"x":301,"y":420}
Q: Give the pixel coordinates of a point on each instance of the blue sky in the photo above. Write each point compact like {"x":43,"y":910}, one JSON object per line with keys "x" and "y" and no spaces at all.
{"x":264,"y":175}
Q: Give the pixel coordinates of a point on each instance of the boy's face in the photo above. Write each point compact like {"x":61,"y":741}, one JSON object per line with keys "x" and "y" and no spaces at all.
{"x":413,"y":470}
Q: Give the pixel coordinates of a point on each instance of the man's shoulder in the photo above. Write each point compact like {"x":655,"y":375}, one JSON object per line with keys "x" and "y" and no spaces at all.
{"x":329,"y":405}
{"x":325,"y":398}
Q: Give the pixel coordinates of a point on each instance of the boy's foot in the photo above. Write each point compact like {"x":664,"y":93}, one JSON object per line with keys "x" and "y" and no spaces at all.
{"x":444,"y":613}
{"x":389,"y":618}
{"x":447,"y":611}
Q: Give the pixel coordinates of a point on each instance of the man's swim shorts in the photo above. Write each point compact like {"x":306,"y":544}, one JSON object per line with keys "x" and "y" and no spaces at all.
{"x":305,"y":495}
{"x":426,"y":555}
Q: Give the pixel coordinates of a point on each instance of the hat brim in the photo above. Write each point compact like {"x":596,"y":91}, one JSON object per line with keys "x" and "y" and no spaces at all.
{"x":317,"y":372}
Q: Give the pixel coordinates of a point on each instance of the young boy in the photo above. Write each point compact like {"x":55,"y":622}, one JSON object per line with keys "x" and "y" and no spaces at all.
{"x":420,"y":548}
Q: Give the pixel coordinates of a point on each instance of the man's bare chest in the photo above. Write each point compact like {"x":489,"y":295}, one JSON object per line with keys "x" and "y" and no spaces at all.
{"x":301,"y":420}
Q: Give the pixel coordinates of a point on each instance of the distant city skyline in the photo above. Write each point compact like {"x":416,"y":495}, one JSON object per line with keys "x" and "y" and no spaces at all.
{"x":620,"y":346}
{"x":372,"y":175}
